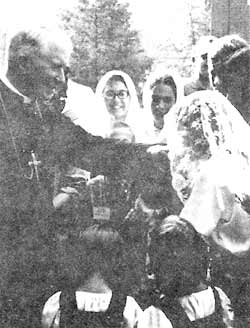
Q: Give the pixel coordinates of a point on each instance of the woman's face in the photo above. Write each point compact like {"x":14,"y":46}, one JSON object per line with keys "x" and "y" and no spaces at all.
{"x":117,"y":100}
{"x":163,"y":99}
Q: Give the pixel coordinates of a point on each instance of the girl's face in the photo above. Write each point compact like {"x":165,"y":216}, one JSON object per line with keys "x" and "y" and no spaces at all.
{"x":117,"y":100}
{"x":163,"y":99}
{"x":178,"y":267}
{"x":122,"y":133}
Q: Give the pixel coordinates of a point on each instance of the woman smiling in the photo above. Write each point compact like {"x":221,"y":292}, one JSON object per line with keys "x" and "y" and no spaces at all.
{"x":117,"y":96}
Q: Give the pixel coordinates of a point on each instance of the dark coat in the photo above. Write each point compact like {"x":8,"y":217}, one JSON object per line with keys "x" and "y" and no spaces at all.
{"x":27,"y":249}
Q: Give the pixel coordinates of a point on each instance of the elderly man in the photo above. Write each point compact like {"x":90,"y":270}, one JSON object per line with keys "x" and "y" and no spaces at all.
{"x":37,"y":142}
{"x":230,"y":71}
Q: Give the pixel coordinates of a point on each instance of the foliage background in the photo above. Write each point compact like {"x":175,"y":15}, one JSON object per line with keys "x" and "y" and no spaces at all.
{"x":104,"y":38}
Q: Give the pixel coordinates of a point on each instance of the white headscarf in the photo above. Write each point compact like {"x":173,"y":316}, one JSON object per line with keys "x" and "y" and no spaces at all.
{"x":152,"y":136}
{"x":134,"y":115}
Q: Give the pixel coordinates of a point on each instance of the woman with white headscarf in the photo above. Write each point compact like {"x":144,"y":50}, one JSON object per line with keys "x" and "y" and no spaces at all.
{"x":116,"y":95}
{"x":161,"y":91}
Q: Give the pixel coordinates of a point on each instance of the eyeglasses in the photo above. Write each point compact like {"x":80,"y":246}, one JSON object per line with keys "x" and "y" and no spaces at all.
{"x":121,"y":94}
{"x":157,"y":99}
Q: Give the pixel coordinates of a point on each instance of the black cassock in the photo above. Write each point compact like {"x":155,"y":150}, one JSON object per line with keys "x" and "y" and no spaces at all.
{"x":33,"y":149}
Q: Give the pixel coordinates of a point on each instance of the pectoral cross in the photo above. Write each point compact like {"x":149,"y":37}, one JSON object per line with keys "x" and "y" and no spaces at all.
{"x":34,"y":165}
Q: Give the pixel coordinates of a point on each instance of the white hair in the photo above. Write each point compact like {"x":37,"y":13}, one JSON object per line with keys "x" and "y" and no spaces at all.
{"x":44,"y":38}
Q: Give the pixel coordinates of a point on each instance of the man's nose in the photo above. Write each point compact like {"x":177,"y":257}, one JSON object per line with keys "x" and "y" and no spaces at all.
{"x":161,"y":104}
{"x":61,"y":83}
{"x":116,"y":98}
{"x":61,"y":76}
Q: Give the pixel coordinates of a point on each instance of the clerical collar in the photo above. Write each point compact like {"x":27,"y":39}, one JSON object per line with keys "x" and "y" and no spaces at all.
{"x":4,"y":79}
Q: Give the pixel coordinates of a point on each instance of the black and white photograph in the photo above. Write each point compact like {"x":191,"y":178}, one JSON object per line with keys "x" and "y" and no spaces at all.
{"x":124,"y":163}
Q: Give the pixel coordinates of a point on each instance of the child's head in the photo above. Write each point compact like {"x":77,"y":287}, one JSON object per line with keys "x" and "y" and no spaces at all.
{"x":123,"y":132}
{"x":178,"y":257}
{"x":98,"y":250}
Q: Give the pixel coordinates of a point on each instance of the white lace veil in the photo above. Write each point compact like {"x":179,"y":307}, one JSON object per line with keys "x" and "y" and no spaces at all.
{"x":204,"y":126}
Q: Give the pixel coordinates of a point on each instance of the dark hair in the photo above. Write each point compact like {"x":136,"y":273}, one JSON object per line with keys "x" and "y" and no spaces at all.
{"x":166,"y":80}
{"x":177,"y":236}
{"x":229,"y":52}
{"x":231,"y":55}
{"x":37,"y":40}
{"x":98,"y":249}
{"x":24,"y":47}
{"x":22,"y":44}
{"x":116,"y":78}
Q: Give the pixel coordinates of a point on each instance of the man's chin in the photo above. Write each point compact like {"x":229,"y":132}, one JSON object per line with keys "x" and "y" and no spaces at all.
{"x":51,"y":105}
{"x":59,"y":105}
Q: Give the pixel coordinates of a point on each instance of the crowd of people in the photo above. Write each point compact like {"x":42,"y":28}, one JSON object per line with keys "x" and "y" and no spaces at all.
{"x":115,"y":213}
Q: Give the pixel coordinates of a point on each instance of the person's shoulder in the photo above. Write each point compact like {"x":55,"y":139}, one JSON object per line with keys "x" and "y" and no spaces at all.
{"x":65,"y":129}
{"x":191,"y":86}
{"x":132,"y":311}
{"x":227,"y":309}
{"x":7,"y":94}
{"x":153,"y":317}
{"x":225,"y":301}
{"x":76,"y":88}
{"x":50,"y":310}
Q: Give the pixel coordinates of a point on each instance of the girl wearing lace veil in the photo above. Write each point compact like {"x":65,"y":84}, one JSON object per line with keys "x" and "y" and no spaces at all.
{"x":209,"y":152}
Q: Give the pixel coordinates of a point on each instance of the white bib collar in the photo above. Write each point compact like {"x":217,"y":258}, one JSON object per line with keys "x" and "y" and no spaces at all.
{"x":198,"y":305}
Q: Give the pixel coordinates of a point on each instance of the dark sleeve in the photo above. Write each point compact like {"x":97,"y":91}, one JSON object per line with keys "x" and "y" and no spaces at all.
{"x":73,"y":145}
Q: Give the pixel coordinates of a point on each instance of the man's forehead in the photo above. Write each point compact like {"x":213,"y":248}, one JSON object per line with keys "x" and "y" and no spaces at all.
{"x":56,"y":47}
{"x":56,"y":55}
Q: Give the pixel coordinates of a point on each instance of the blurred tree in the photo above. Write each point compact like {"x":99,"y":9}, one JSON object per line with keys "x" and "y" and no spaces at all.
{"x":199,"y":19}
{"x":177,"y":54}
{"x":104,"y":40}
